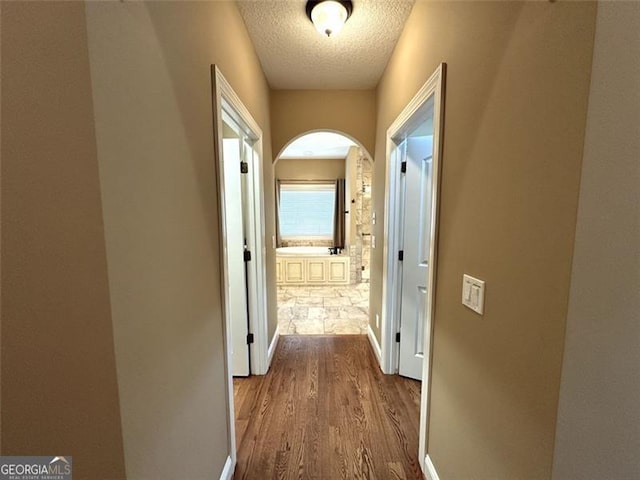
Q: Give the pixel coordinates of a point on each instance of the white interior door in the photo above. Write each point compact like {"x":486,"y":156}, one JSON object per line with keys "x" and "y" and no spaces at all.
{"x":234,"y":246}
{"x":250,"y":247}
{"x":416,"y":240}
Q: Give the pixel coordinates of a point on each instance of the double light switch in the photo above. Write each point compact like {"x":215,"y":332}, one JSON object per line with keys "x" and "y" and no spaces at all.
{"x":473,"y":293}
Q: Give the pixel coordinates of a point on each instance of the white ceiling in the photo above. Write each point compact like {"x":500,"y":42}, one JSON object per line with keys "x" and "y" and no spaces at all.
{"x":295,"y":56}
{"x":318,"y":145}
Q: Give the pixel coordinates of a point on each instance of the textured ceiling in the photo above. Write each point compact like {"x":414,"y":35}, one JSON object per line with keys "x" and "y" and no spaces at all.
{"x":295,"y":56}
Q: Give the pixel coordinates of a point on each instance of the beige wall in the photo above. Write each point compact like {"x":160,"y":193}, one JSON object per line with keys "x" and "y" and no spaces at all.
{"x":598,"y":432}
{"x":309,"y":168}
{"x":516,"y":97}
{"x":294,"y":112}
{"x":150,"y":66}
{"x":59,"y":387}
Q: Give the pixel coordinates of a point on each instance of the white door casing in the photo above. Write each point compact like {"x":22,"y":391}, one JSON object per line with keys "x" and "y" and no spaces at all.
{"x":226,"y":100}
{"x":434,"y":88}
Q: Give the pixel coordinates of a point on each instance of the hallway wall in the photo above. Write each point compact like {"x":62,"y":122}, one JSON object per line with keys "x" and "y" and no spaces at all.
{"x":59,"y":386}
{"x":516,"y":98}
{"x":150,"y":66}
{"x":294,"y":112}
{"x":598,"y":431}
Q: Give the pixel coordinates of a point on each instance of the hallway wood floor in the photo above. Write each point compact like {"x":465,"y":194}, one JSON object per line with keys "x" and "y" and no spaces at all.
{"x":326,"y":411}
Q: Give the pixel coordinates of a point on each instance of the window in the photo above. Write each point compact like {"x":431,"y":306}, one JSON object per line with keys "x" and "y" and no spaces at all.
{"x":307,"y":210}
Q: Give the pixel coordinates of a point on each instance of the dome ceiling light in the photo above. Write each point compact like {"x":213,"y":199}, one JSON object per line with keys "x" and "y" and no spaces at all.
{"x":328,"y":16}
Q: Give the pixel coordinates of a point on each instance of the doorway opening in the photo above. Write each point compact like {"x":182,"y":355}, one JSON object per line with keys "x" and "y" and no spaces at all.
{"x":323,"y":235}
{"x":414,"y":147}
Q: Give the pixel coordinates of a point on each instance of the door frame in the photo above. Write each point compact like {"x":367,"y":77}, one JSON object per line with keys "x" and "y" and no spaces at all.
{"x":223,"y":93}
{"x":391,"y":273}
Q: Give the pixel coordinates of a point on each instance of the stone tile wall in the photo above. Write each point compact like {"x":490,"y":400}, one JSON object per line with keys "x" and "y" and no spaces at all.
{"x":360,"y":252}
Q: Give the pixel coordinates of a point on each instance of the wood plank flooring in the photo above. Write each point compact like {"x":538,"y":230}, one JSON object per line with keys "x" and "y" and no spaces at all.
{"x":326,"y":411}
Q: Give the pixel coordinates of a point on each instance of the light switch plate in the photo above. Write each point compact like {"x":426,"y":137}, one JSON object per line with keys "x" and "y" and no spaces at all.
{"x":473,"y":293}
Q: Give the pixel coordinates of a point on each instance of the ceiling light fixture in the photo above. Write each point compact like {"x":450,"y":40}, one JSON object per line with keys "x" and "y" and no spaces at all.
{"x":328,"y":16}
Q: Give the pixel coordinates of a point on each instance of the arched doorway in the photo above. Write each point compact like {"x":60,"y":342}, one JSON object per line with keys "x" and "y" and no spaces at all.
{"x":323,"y":224}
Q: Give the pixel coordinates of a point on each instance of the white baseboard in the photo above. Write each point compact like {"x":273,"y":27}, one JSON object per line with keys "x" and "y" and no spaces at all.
{"x":375,"y":345}
{"x":429,"y":469}
{"x":228,"y":470}
{"x":272,"y":347}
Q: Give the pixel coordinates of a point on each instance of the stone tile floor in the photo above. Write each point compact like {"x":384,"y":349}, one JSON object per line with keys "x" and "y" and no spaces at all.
{"x":323,"y":309}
